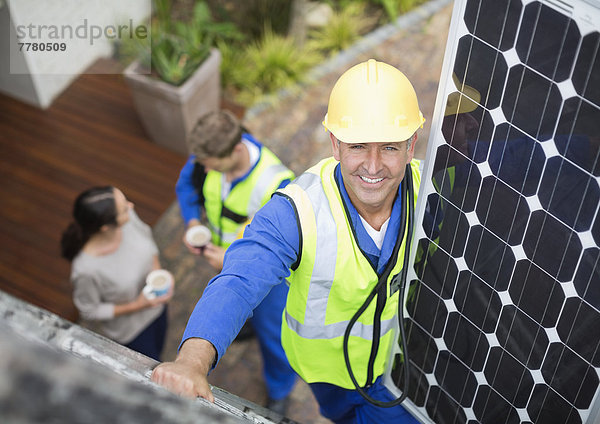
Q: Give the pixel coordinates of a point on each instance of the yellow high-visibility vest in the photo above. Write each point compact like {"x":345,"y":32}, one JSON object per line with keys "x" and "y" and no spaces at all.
{"x":226,"y":217}
{"x":330,"y":283}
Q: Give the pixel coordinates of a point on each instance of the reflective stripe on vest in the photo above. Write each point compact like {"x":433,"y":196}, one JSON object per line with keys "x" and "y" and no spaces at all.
{"x":329,"y":331}
{"x":321,"y":303}
{"x":244,"y":200}
{"x":221,"y":238}
{"x":263,"y":188}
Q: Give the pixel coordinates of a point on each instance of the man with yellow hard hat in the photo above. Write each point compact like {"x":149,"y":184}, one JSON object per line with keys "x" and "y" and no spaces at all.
{"x":338,"y":235}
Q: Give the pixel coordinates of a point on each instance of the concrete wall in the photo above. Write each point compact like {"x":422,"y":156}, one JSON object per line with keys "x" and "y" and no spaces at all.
{"x":54,"y":371}
{"x":39,"y":77}
{"x":18,"y":86}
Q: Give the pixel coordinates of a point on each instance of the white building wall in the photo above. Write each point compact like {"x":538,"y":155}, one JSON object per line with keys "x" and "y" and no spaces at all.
{"x":39,"y":77}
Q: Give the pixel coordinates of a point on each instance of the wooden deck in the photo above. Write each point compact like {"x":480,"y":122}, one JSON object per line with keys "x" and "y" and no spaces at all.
{"x":89,"y":136}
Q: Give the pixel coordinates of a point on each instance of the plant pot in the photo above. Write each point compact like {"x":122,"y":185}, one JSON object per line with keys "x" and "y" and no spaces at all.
{"x":168,"y":113}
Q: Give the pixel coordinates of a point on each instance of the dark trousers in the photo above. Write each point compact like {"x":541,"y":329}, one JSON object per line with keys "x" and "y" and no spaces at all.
{"x":343,"y":406}
{"x":151,"y":340}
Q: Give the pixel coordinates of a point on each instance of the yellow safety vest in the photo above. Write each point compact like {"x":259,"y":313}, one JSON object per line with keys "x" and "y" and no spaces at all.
{"x":225,"y":218}
{"x":330,"y":283}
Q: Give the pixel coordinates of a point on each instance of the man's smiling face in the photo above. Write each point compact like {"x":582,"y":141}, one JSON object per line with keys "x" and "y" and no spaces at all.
{"x":372,"y":172}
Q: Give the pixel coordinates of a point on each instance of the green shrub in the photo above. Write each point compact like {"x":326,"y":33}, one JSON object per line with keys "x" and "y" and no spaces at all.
{"x":249,"y":16}
{"x":232,"y":61}
{"x":394,"y":8}
{"x":268,"y":65}
{"x":345,"y":27}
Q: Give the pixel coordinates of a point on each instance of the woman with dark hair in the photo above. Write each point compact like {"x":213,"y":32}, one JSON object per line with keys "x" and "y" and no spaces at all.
{"x":111,"y":252}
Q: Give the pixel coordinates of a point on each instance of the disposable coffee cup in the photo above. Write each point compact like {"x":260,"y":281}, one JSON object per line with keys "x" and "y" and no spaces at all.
{"x":158,"y":283}
{"x":198,"y":236}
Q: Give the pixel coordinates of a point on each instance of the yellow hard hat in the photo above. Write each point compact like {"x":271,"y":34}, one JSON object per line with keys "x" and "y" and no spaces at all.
{"x":373,"y":102}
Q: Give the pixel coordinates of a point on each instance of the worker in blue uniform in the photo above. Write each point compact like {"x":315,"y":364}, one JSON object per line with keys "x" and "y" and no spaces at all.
{"x":337,"y":234}
{"x":228,"y":177}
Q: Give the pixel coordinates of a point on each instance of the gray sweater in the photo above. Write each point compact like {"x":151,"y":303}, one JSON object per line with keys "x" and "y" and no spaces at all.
{"x":101,"y":282}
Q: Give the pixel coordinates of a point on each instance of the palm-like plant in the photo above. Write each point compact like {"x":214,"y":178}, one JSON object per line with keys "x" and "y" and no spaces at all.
{"x":178,"y":48}
{"x":345,"y":27}
{"x":270,"y":64}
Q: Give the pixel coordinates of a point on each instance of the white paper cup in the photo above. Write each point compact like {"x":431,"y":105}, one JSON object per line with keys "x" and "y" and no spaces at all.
{"x":158,"y":283}
{"x":198,"y":236}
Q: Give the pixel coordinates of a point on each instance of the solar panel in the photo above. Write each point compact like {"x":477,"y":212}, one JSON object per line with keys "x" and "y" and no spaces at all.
{"x":502,"y":311}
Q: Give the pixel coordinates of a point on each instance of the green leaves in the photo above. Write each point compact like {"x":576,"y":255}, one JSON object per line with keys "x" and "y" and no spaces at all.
{"x":267,"y":65}
{"x":175,"y":57}
{"x":393,"y":8}
{"x":178,"y":47}
{"x":345,"y":27}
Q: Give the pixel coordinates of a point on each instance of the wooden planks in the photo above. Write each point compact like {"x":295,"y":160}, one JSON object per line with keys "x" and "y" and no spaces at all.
{"x":89,"y":136}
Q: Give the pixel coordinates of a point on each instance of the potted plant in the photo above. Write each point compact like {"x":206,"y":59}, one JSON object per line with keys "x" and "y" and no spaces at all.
{"x":175,"y":78}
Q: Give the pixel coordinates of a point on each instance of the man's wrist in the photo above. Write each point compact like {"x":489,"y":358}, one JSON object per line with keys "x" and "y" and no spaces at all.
{"x":199,"y":353}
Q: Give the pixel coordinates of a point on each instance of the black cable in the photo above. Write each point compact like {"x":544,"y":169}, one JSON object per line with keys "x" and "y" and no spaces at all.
{"x":408,"y":195}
